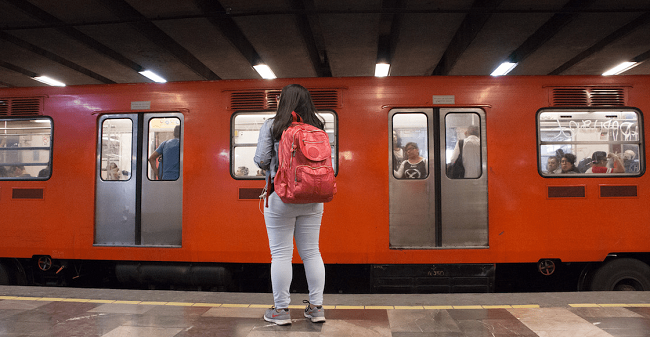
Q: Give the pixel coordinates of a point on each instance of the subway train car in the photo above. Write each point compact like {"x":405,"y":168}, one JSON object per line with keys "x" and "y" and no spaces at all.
{"x":80,"y":199}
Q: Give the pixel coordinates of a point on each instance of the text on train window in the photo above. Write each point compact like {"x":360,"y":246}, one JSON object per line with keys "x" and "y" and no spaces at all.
{"x":410,"y":146}
{"x":25,"y":149}
{"x":245,"y":132}
{"x":116,"y":149}
{"x":463,"y":129}
{"x":588,"y":142}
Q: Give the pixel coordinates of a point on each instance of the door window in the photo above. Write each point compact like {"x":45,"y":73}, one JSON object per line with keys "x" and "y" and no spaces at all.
{"x":410,"y":146}
{"x":164,"y":148}
{"x":463,"y":129}
{"x":116,"y":149}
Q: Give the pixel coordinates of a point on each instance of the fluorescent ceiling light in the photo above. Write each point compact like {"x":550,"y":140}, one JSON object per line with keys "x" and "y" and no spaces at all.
{"x":264,"y":71}
{"x":49,"y":81}
{"x":154,"y":77}
{"x":381,"y":69}
{"x":503,"y":69}
{"x":621,"y":68}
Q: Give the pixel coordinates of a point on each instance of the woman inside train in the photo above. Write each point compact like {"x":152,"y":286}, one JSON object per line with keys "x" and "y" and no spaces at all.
{"x":415,"y":166}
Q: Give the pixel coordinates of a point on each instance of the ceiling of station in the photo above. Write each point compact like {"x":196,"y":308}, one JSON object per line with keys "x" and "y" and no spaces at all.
{"x":83,"y":42}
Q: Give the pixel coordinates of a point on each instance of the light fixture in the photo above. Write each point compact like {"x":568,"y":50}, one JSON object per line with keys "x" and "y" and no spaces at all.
{"x":264,"y":71}
{"x":381,"y":69}
{"x":152,"y":76}
{"x":621,"y":68}
{"x":49,"y":81}
{"x":504,"y":68}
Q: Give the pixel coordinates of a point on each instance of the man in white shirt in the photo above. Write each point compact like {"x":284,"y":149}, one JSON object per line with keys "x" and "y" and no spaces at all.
{"x":471,"y":152}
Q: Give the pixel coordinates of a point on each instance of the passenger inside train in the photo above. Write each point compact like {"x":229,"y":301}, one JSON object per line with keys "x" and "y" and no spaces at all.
{"x":113,"y":172}
{"x":19,"y":171}
{"x":415,"y":166}
{"x":170,"y":152}
{"x":599,"y":163}
{"x":398,"y":151}
{"x":568,"y":164}
{"x":242,"y":171}
{"x":471,"y":158}
{"x":553,"y":165}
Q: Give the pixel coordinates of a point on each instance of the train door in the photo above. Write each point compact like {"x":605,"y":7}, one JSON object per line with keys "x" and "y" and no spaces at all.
{"x":433,"y":204}
{"x":139,"y":180}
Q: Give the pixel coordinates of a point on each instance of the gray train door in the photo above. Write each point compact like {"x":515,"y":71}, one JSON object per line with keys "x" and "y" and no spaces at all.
{"x":429,"y":205}
{"x":138,"y":202}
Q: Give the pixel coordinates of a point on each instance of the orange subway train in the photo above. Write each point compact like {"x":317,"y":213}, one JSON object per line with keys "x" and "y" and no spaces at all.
{"x":522,"y":181}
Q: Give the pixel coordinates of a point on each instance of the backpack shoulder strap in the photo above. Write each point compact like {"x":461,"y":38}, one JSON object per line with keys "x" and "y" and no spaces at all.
{"x":296,"y":117}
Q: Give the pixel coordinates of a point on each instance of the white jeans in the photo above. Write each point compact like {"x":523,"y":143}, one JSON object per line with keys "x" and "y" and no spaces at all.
{"x":283,"y":222}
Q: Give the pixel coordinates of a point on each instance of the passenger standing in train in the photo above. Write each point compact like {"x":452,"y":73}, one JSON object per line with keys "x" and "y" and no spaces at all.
{"x":398,"y":152}
{"x":599,"y":163}
{"x":568,"y":163}
{"x":286,"y":221}
{"x":170,"y":151}
{"x":471,"y":152}
{"x":414,"y":167}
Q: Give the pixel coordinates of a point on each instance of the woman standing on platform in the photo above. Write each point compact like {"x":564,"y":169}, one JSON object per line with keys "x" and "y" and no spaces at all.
{"x":284,"y":221}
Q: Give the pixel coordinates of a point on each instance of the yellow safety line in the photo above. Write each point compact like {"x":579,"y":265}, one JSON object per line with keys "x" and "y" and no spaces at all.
{"x":344,"y":307}
{"x":214,"y":305}
{"x":584,"y":305}
{"x":438,"y":307}
{"x":525,"y":306}
{"x":50,"y":299}
{"x":180,"y":304}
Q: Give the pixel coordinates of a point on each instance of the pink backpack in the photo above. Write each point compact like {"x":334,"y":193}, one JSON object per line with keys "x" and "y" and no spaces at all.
{"x":305,"y":174}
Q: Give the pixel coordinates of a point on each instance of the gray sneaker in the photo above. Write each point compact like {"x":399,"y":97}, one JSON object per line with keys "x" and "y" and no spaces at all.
{"x":277,"y":316}
{"x":316,"y":314}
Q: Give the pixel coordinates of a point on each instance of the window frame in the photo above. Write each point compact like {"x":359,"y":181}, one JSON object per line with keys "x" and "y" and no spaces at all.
{"x":427,"y":125}
{"x":480,"y":138}
{"x":640,"y":142}
{"x":151,"y":151}
{"x":50,"y":148}
{"x":252,"y":175}
{"x":102,"y":153}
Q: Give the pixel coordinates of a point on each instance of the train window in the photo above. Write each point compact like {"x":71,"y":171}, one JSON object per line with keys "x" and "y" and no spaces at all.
{"x":116,"y":149}
{"x":245,"y":132}
{"x":410,"y":146}
{"x":465,"y":129}
{"x":164,"y":148}
{"x":589,"y":142}
{"x":25,"y":148}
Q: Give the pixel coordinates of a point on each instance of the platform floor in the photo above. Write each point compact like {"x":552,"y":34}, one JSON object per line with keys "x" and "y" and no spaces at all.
{"x":46,"y":311}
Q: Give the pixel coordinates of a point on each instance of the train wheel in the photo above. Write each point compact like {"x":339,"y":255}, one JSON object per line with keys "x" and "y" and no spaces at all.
{"x":622,"y":275}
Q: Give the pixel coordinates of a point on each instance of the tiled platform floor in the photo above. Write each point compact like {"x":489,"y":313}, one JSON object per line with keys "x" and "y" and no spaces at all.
{"x":29,"y":311}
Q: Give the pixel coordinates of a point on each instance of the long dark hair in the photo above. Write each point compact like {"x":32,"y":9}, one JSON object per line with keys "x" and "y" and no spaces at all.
{"x":296,"y":98}
{"x":571,"y":158}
